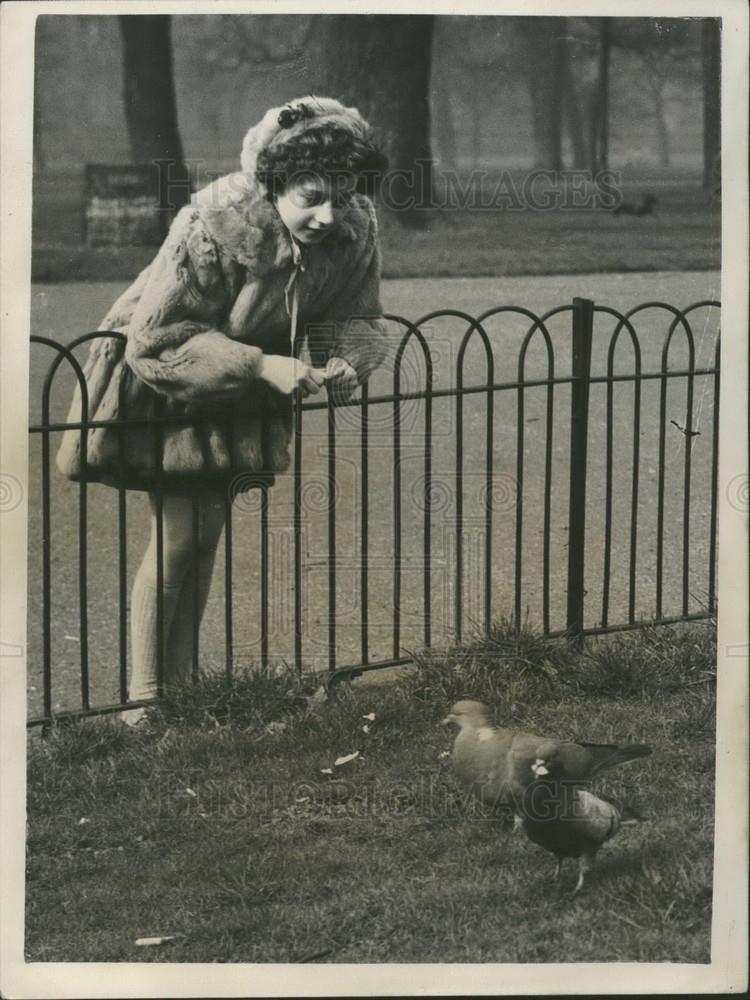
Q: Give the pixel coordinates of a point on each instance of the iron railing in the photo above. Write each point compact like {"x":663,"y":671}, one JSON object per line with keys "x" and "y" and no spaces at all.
{"x":390,"y":450}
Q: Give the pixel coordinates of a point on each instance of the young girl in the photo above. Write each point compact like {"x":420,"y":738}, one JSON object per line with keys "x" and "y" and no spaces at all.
{"x":287,"y":247}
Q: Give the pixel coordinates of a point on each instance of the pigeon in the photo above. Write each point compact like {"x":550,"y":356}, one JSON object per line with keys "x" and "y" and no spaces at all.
{"x":497,"y":764}
{"x":570,"y":821}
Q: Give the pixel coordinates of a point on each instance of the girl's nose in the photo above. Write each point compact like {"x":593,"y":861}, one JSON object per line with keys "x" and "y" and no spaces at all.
{"x":324,"y":213}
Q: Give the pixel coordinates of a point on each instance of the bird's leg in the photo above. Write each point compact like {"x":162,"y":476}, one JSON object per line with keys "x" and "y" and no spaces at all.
{"x":517,"y":823}
{"x":558,"y":867}
{"x":585,"y":864}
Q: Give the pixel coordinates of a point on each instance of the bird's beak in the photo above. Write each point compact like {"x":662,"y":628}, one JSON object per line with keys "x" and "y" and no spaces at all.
{"x":448,"y":719}
{"x":539,"y":769}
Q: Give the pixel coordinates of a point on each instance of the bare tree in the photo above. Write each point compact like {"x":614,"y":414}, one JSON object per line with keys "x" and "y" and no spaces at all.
{"x":478,"y":61}
{"x":444,"y":130}
{"x":150,"y":104}
{"x":234,"y":53}
{"x":573,"y":109}
{"x":443,"y":133}
{"x":657,"y":80}
{"x":711,"y":59}
{"x":251,"y":43}
{"x":666,"y":49}
{"x":381,"y":63}
{"x":599,"y":111}
{"x":484,"y":57}
{"x":544,"y":41}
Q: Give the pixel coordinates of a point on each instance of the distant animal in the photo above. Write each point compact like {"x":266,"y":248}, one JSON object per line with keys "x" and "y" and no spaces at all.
{"x":644,"y":206}
{"x":497,"y":765}
{"x":570,"y":821}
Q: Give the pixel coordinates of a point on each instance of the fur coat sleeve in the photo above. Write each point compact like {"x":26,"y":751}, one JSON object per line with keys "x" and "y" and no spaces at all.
{"x":354,"y":329}
{"x":174,"y":344}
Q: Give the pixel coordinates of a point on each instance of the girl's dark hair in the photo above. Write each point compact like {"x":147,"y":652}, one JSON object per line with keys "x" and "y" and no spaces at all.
{"x":325,"y":150}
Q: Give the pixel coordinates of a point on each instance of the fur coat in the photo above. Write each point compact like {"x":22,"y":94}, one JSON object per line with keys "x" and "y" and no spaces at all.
{"x":197,"y":321}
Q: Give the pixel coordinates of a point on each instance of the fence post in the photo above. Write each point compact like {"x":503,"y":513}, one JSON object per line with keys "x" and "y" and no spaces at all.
{"x":583,"y":328}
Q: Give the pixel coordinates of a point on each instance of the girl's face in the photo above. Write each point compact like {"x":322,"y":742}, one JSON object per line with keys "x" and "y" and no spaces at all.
{"x":311,"y":204}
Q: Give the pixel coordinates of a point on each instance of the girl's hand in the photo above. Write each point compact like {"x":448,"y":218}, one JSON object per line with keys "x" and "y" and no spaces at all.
{"x":341,"y":379}
{"x":289,"y":375}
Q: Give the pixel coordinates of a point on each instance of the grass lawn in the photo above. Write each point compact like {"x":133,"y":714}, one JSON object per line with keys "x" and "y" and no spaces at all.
{"x":682,"y":234}
{"x":216,"y":825}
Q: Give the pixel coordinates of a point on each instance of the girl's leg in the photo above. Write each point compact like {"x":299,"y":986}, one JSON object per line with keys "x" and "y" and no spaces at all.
{"x":210,"y":513}
{"x":177,"y":538}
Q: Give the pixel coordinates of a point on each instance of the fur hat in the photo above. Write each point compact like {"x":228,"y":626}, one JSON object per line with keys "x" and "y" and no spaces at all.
{"x":290,"y":120}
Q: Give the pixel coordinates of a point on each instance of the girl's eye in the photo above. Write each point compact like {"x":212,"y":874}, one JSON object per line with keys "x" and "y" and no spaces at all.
{"x":310,"y":197}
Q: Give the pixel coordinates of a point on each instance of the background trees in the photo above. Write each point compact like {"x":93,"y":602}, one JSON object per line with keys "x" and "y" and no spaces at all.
{"x":666,"y":54}
{"x":572,"y":86}
{"x":543,"y":40}
{"x":711,"y":60}
{"x":381,"y":63}
{"x":468,"y":91}
{"x":261,"y":60}
{"x":150,"y":104}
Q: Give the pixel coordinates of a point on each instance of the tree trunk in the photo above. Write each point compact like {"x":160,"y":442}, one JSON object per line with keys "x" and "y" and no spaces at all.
{"x":443,"y":122}
{"x":150,"y":104}
{"x":711,"y":57}
{"x":599,"y":105}
{"x":381,"y":64}
{"x":601,"y":161}
{"x":476,"y":132}
{"x":662,"y":132}
{"x":573,"y":113}
{"x":445,"y":131}
{"x":545,"y":50}
{"x":594,"y":116}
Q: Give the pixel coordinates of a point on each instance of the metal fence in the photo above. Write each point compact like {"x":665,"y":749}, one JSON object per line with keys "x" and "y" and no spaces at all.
{"x":635,"y":542}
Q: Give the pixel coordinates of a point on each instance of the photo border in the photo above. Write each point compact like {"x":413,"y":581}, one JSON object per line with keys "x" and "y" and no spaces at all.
{"x":727,"y":971}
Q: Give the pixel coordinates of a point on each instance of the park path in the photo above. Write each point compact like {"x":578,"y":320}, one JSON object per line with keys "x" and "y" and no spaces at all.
{"x":66,"y":310}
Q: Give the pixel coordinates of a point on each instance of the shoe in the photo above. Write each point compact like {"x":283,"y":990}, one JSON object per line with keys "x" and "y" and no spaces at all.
{"x":134,"y":718}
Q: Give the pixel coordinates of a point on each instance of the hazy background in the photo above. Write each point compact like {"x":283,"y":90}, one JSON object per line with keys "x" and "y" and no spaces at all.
{"x":479,"y":88}
{"x":497,"y":96}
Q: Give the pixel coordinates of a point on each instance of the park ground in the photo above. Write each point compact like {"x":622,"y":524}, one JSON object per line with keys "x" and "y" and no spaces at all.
{"x":63,"y":311}
{"x":218,"y":827}
{"x":493,"y":227}
{"x":226,"y":825}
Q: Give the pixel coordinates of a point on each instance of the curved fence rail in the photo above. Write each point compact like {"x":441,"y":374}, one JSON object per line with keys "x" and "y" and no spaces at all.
{"x":600,"y":518}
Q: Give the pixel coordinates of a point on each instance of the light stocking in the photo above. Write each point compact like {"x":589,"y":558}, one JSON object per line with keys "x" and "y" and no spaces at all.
{"x":180,"y":644}
{"x":143,"y":626}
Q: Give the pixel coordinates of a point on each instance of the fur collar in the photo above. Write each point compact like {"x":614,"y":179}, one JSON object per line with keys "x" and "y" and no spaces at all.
{"x":247,"y":227}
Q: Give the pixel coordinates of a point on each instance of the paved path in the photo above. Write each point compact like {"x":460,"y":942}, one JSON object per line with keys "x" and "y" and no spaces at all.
{"x":64,"y":311}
